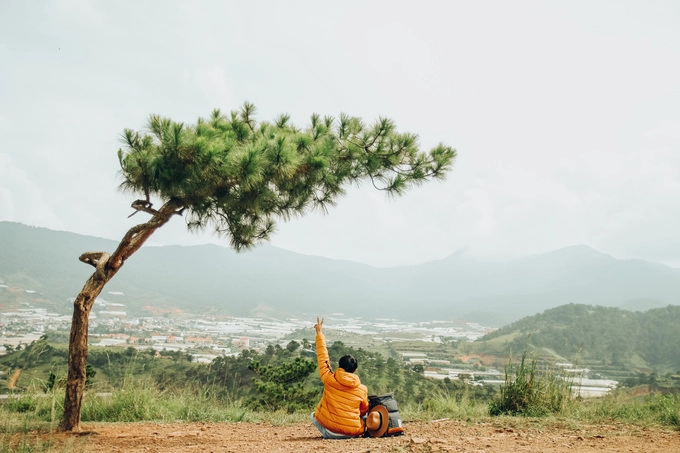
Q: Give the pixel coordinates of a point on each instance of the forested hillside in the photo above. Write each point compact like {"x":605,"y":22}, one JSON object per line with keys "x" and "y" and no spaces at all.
{"x":612,"y":336}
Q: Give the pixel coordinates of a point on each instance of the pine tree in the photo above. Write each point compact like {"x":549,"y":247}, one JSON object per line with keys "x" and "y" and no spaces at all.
{"x":283,"y":386}
{"x":238,"y":177}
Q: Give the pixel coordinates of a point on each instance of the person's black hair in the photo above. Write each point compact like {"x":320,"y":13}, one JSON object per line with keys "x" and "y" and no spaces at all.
{"x":348,"y":363}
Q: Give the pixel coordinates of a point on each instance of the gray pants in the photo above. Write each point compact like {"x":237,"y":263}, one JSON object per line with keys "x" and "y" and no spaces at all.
{"x":326,"y":433}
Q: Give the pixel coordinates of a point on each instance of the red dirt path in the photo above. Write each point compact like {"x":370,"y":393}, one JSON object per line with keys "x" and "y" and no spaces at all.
{"x":421,"y":436}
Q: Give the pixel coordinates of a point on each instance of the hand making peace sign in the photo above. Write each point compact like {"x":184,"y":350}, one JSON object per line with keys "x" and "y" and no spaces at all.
{"x":318,"y":325}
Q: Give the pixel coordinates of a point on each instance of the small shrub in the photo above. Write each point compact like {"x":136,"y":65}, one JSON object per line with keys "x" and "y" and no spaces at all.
{"x":527,"y":392}
{"x":21,"y":405}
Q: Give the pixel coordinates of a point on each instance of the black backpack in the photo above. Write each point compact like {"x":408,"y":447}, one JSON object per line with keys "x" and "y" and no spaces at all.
{"x":395,"y":427}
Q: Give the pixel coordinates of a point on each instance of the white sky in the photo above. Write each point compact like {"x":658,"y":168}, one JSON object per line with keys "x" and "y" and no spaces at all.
{"x":565,"y":115}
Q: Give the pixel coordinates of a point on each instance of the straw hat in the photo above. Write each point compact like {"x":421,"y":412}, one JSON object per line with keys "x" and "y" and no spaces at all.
{"x":377,"y":421}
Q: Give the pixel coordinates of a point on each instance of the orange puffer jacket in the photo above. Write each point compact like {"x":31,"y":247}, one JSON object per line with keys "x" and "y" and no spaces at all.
{"x":344,"y":398}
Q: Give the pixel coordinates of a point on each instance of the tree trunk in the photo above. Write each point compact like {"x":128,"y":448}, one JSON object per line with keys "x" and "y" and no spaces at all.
{"x":77,"y":353}
{"x":106,"y":267}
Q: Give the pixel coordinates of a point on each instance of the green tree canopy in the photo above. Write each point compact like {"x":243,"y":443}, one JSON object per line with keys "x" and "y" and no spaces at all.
{"x":238,"y":176}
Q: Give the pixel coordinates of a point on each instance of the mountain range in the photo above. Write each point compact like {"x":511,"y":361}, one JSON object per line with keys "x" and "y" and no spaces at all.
{"x":269,"y":280}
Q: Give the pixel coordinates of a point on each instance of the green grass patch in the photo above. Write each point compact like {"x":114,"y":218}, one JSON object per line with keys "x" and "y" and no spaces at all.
{"x":622,"y":406}
{"x":140,"y":399}
{"x":456,"y":405}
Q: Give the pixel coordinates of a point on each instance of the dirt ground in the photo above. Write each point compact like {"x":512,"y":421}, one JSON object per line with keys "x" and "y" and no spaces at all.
{"x":420,"y":436}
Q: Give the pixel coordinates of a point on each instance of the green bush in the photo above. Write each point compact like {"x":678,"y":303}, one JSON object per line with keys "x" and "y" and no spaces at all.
{"x":282,"y":387}
{"x":527,"y":392}
{"x":24,"y":403}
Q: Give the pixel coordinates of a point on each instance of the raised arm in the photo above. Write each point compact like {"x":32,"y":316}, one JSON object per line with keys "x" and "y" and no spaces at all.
{"x":322,"y":358}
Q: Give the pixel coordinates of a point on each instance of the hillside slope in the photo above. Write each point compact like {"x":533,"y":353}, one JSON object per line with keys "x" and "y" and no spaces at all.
{"x":607,"y":335}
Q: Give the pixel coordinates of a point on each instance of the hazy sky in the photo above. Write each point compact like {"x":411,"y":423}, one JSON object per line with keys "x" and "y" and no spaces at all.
{"x":565,"y":115}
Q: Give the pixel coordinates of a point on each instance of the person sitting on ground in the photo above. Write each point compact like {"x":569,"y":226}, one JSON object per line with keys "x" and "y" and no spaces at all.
{"x":345,"y":399}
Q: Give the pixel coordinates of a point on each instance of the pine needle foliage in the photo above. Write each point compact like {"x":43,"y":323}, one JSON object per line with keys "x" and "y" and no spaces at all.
{"x":238,"y":176}
{"x":282,"y":387}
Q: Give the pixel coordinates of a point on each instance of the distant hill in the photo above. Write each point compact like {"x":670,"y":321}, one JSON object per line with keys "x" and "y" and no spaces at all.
{"x":606,"y":335}
{"x":271,"y":280}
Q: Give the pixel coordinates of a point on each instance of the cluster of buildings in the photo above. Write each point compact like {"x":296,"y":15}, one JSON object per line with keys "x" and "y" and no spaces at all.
{"x":110,"y":325}
{"x":207,"y":337}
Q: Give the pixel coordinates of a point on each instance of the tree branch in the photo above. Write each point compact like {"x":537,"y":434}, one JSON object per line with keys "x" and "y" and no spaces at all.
{"x":137,"y":235}
{"x":97,"y":259}
{"x":143,"y":205}
{"x":375,"y":186}
{"x":100,"y":273}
